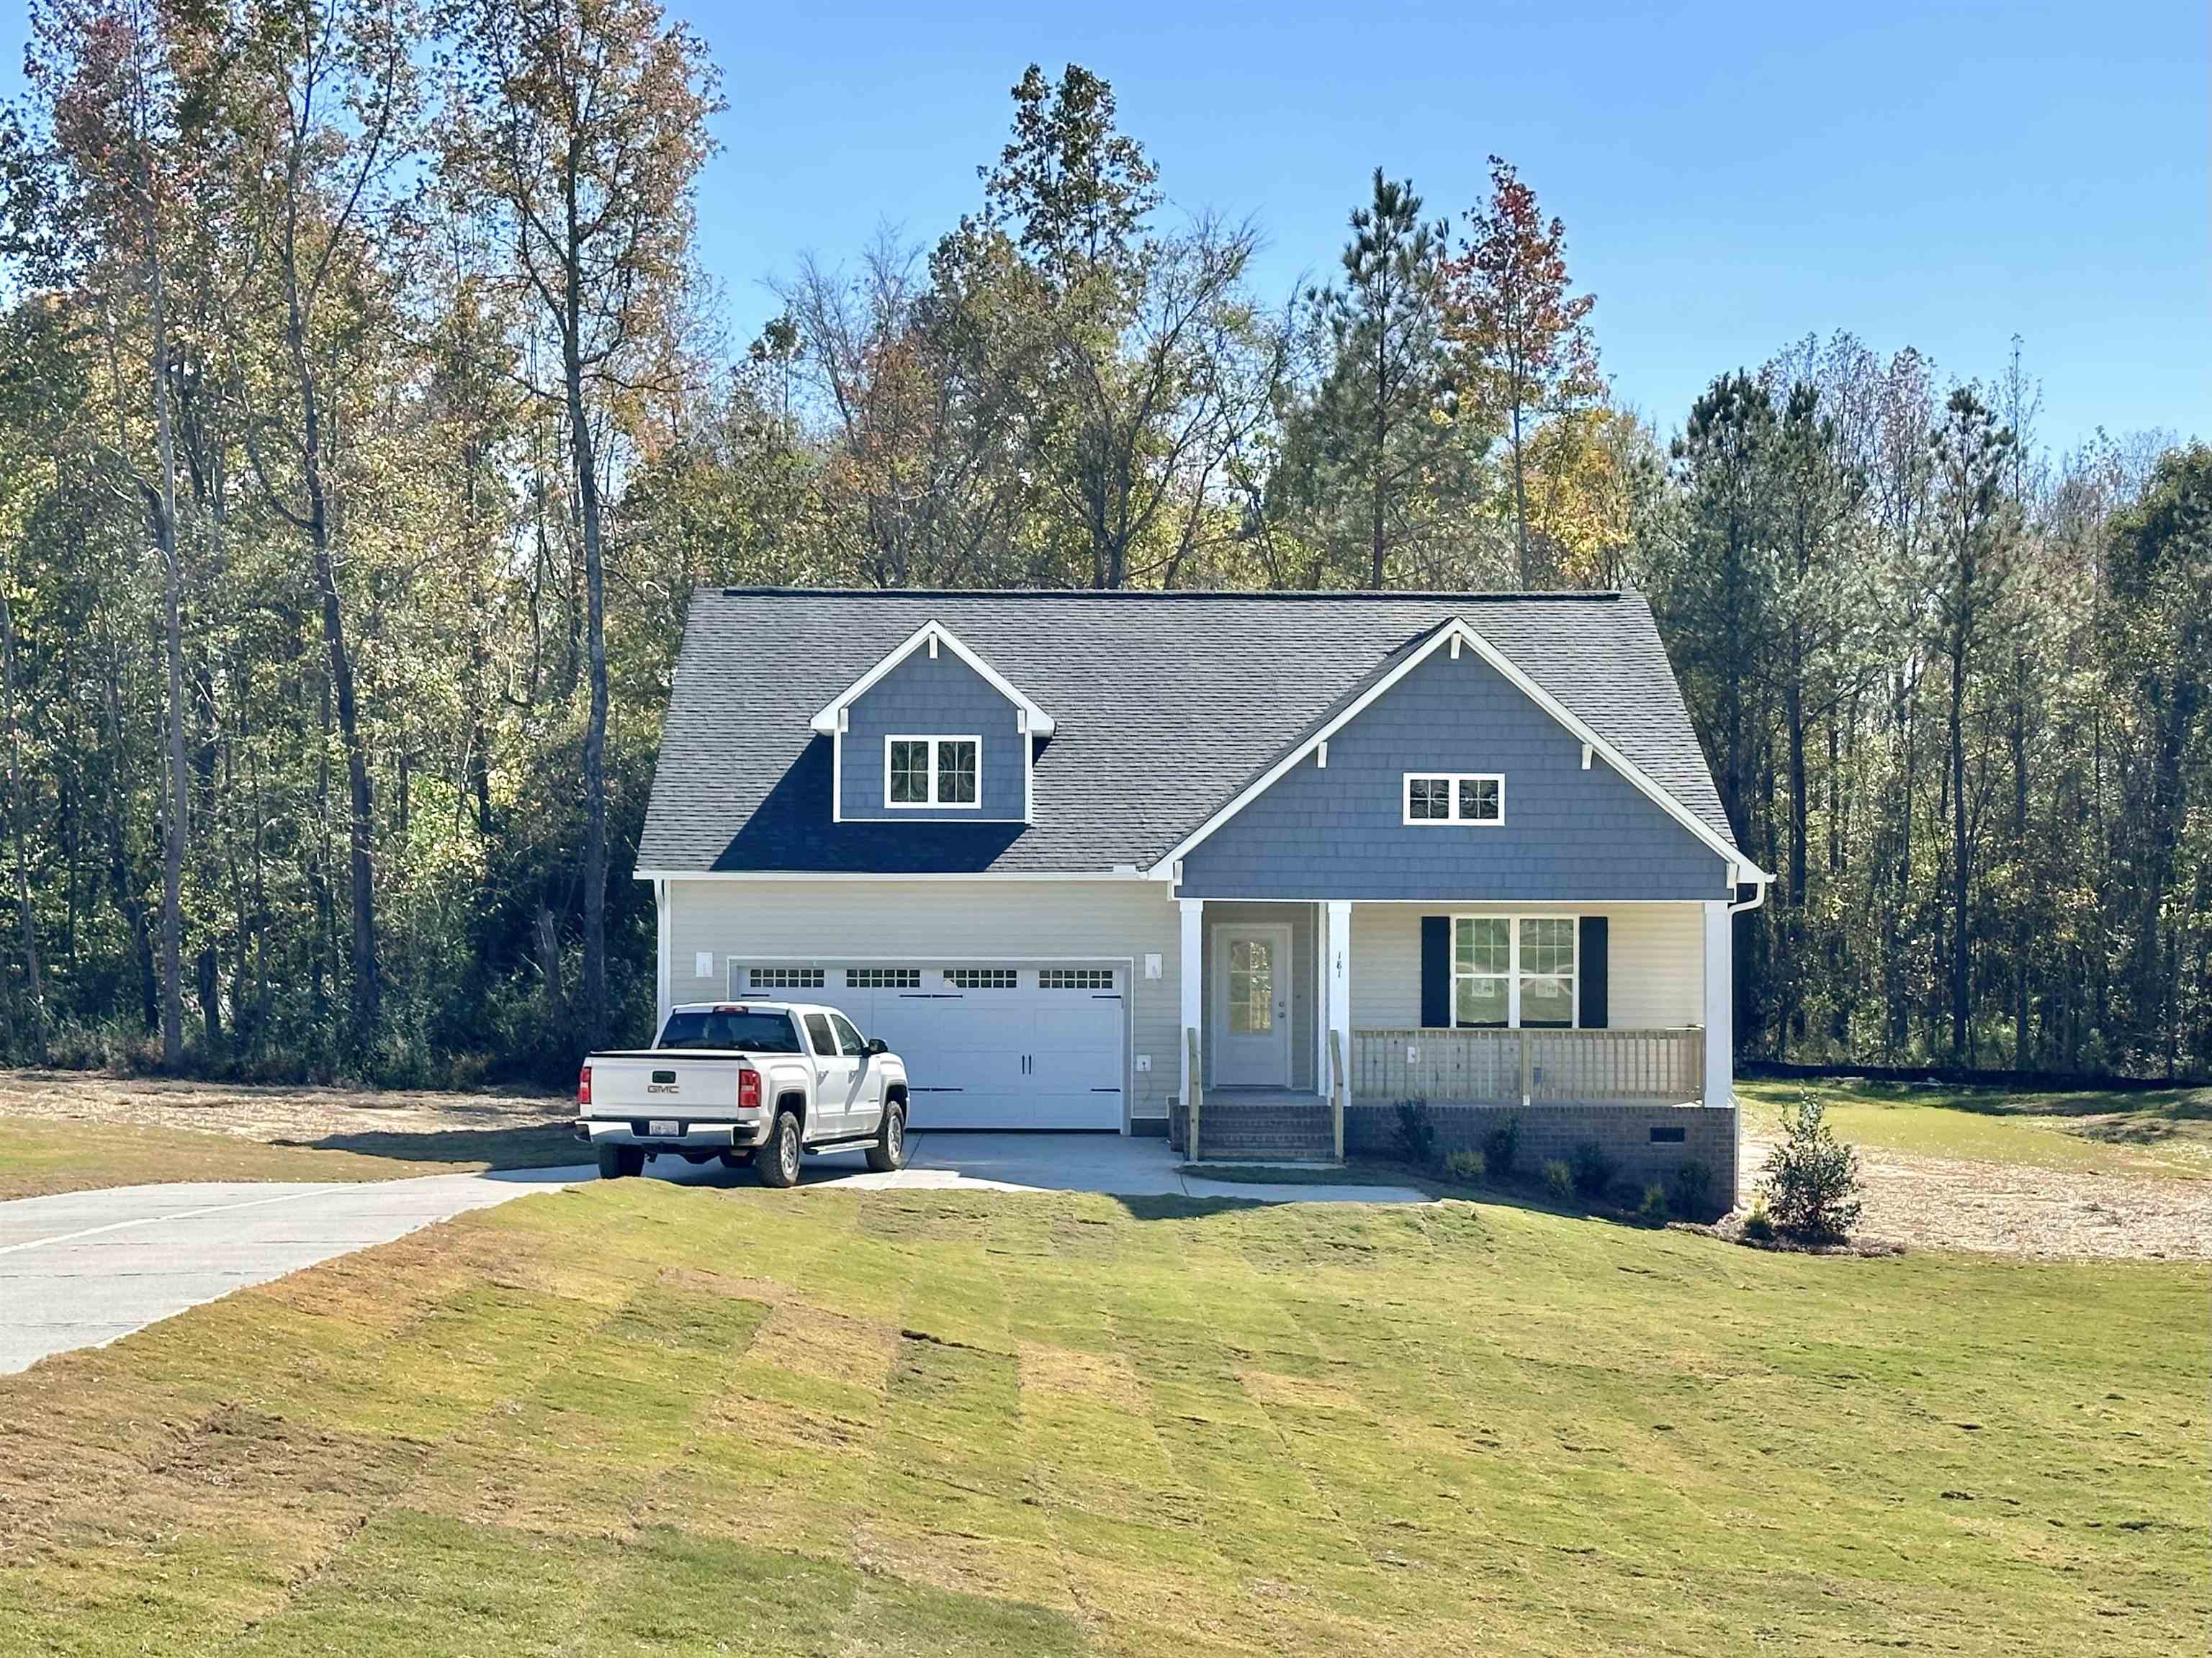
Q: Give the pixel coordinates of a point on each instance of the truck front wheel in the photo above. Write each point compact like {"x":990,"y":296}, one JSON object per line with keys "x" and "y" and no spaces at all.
{"x":617,"y":1162}
{"x":777,"y":1160}
{"x":889,"y":1152}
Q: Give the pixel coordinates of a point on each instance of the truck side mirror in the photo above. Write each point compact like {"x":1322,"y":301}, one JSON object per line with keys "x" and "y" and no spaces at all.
{"x":878,"y":1045}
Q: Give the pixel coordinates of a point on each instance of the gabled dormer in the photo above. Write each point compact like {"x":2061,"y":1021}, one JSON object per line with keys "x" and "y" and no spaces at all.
{"x":932,"y":732}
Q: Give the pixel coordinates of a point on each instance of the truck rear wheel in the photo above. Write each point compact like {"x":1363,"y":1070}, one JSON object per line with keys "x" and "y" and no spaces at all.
{"x":617,"y":1162}
{"x":889,"y":1152}
{"x":776,"y":1163}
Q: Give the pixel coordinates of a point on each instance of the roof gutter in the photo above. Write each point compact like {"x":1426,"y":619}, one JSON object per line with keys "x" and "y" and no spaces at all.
{"x":1761,"y":879}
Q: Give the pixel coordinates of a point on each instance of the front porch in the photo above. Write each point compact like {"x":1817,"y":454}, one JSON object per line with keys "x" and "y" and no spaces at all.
{"x":1334,"y":1012}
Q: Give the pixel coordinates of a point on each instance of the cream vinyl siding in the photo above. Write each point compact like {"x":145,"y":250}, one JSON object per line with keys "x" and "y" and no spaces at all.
{"x":1655,"y":960}
{"x":942,"y":923}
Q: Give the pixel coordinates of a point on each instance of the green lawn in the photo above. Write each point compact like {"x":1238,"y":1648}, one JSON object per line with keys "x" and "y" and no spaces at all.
{"x":2162,"y":1133}
{"x":43,"y":1154}
{"x":634,"y":1417}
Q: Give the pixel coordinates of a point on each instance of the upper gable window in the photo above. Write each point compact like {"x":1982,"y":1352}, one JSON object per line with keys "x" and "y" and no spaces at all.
{"x":933,"y":771}
{"x":1454,"y":798}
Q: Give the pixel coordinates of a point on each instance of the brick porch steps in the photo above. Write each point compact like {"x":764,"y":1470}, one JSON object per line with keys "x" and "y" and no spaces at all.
{"x":1275,"y":1130}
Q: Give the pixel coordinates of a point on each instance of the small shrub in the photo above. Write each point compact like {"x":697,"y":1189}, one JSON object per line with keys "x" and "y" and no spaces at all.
{"x":1652,"y":1211}
{"x":1417,"y":1135}
{"x":1590,"y":1169}
{"x":1812,"y":1177}
{"x":1466,"y":1166}
{"x":1691,"y":1192}
{"x":1501,"y":1148}
{"x":1558,"y":1179}
{"x":1757,"y":1225}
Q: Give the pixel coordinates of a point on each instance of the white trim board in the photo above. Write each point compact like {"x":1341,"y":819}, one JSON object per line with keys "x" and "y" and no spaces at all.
{"x":934,"y":634}
{"x":1457,"y":632}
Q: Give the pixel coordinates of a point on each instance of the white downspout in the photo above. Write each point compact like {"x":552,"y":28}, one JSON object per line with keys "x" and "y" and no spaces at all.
{"x":1720,"y":1044}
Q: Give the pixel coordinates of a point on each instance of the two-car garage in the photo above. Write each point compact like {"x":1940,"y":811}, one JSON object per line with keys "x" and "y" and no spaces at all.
{"x":986,"y":1044}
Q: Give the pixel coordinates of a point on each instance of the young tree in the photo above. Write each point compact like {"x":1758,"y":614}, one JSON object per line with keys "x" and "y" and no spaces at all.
{"x":585,"y":120}
{"x":1526,"y":357}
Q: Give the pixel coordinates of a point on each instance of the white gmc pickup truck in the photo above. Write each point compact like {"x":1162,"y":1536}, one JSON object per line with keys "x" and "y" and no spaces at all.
{"x":762,"y":1083}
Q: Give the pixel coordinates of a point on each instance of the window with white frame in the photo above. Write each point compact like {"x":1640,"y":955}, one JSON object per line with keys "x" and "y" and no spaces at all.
{"x":933,"y":771}
{"x":1509,"y":971}
{"x":980,"y":978}
{"x":1442,"y":797}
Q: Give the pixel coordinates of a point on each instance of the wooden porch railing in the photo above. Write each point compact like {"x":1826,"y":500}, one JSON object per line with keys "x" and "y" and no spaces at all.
{"x":1542,"y":1067}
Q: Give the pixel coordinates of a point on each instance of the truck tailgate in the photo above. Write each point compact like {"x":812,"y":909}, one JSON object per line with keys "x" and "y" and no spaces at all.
{"x":687,"y":1084}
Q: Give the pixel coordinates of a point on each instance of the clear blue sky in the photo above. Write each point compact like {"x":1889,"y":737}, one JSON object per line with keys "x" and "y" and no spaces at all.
{"x":1944,"y":175}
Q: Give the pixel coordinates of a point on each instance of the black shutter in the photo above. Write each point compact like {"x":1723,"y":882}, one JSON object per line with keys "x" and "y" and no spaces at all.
{"x":1436,"y":971}
{"x":1591,"y":964}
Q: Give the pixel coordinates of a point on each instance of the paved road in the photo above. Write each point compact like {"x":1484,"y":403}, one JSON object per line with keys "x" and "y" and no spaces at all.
{"x":79,"y":1269}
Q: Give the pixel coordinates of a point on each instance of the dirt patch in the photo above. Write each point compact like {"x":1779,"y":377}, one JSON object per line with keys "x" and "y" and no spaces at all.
{"x":275,"y":1115}
{"x":2022,"y":1209}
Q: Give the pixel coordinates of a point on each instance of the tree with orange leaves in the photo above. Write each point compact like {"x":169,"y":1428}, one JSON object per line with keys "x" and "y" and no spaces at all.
{"x":1526,"y":354}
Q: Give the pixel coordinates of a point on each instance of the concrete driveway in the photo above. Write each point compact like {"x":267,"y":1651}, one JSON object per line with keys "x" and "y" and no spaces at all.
{"x":1133,"y":1166}
{"x":79,"y":1269}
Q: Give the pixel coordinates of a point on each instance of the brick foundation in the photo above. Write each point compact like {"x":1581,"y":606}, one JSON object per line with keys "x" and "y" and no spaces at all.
{"x":1622,"y":1132}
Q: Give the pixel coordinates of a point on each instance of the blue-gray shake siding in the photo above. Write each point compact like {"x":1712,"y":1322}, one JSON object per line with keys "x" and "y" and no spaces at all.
{"x":1337,"y":832}
{"x":933,"y":696}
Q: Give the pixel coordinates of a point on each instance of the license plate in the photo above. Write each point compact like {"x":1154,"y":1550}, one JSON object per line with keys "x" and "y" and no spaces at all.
{"x":661,"y":1127}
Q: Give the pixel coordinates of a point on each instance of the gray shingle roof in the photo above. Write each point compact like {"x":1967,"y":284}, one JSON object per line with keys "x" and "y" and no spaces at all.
{"x":1167,"y":704}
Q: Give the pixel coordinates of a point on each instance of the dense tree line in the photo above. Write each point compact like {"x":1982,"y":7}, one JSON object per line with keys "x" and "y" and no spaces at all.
{"x":365,"y":425}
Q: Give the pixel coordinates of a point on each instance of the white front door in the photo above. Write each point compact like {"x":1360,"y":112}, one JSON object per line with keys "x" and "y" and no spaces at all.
{"x":1249,"y":1035}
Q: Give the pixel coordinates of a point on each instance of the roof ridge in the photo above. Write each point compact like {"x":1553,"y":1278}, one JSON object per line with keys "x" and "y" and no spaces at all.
{"x":1603,"y":595}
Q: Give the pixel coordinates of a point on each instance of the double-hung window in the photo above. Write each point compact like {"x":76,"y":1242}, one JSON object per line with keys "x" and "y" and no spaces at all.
{"x":1454,"y":796}
{"x":933,"y":771}
{"x":1509,"y":971}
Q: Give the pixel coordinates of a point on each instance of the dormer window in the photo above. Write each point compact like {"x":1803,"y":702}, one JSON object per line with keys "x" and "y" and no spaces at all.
{"x":1454,"y":798}
{"x":933,"y":771}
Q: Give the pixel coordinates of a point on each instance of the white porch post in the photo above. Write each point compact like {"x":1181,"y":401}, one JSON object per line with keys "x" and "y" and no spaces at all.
{"x":1192,"y":983}
{"x":1720,"y":1005}
{"x":1720,"y":1029}
{"x":1339,"y":982}
{"x":661,"y":996}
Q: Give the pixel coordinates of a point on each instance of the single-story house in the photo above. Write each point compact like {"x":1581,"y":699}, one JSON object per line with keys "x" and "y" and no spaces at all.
{"x":1087,"y":859}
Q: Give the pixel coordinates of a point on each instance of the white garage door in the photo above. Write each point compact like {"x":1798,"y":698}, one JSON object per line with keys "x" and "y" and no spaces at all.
{"x":990,"y":1047}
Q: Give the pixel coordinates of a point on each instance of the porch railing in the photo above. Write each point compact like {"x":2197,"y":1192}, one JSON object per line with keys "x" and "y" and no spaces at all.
{"x":1542,"y":1066}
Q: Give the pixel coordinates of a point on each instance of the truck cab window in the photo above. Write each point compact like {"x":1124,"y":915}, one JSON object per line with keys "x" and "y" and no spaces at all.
{"x":743,"y":1032}
{"x":848,"y":1039}
{"x":819,"y":1034}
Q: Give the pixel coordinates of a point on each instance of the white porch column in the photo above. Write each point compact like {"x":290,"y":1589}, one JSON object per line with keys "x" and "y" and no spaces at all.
{"x":1720,"y":1005}
{"x":1338,"y":979}
{"x":1192,"y":982}
{"x":661,"y":997}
